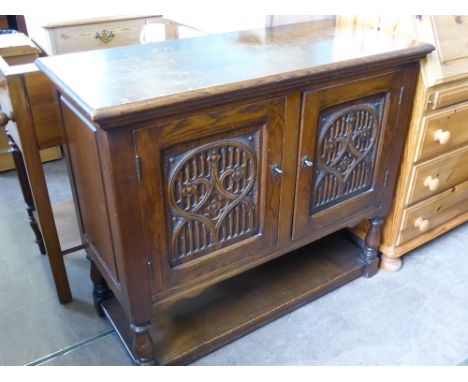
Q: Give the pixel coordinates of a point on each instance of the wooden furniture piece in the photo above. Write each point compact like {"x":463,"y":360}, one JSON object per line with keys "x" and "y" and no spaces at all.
{"x":66,"y":35}
{"x":57,"y":233}
{"x":31,"y":115}
{"x":3,"y":22}
{"x":13,"y":22}
{"x":17,"y":49}
{"x":233,"y":150}
{"x":432,"y":187}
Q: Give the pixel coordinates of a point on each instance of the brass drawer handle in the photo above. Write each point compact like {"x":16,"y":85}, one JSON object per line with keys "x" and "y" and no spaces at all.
{"x":421,"y":224}
{"x":105,"y":36}
{"x":432,"y":183}
{"x":442,"y":136}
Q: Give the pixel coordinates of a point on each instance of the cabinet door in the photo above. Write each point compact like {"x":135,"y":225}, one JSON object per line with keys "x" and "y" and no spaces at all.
{"x":210,"y":190}
{"x":344,"y":152}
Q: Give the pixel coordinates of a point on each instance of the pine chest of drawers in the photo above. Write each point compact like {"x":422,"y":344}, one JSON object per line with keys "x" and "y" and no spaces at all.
{"x":233,"y":150}
{"x":431,"y":195}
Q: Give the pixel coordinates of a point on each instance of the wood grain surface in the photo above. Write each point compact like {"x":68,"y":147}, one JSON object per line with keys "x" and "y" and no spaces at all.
{"x":193,"y":327}
{"x":106,"y":83}
{"x":200,"y":151}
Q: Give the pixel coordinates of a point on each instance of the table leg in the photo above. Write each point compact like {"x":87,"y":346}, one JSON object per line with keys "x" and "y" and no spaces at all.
{"x":143,"y":344}
{"x":100,"y":291}
{"x":371,"y":245}
{"x":26,"y":191}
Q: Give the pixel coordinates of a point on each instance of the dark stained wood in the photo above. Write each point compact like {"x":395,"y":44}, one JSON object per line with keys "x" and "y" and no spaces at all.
{"x":371,"y":245}
{"x":101,"y":291}
{"x":21,"y":24}
{"x":44,"y":108}
{"x":25,"y":187}
{"x":202,"y":168}
{"x":30,"y":150}
{"x":193,"y":327}
{"x":346,"y":134}
{"x":142,"y":344}
{"x":228,"y":209}
{"x":82,"y":150}
{"x":16,"y":22}
{"x":210,"y":67}
{"x":4,"y":22}
{"x":29,"y":99}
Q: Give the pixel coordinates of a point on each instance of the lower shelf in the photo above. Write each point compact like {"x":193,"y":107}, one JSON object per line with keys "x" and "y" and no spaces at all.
{"x":193,"y":327}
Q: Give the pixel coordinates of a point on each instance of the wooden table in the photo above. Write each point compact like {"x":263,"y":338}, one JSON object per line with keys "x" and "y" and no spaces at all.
{"x":30,"y":113}
{"x":17,"y":49}
{"x":208,"y":157}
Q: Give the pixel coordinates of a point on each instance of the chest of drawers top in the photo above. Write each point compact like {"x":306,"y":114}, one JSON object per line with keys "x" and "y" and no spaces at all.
{"x":138,"y":78}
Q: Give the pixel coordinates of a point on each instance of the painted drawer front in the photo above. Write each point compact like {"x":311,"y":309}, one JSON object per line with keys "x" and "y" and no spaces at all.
{"x":439,"y":174}
{"x":433,"y":212}
{"x":98,"y":36}
{"x":442,"y":132}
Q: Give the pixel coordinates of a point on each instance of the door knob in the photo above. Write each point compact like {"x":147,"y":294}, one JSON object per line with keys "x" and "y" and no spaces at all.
{"x":276,"y":170}
{"x":421,"y":224}
{"x":442,"y":136}
{"x":4,"y":119}
{"x":306,"y":162}
{"x":432,"y":183}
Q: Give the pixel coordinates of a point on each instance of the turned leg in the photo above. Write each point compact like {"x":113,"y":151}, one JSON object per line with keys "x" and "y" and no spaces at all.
{"x":101,"y":291}
{"x":142,"y":344}
{"x":391,"y":264}
{"x":371,"y":245}
{"x":26,"y":191}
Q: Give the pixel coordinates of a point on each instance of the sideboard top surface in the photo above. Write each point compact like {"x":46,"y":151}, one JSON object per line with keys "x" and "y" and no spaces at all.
{"x":111,"y":82}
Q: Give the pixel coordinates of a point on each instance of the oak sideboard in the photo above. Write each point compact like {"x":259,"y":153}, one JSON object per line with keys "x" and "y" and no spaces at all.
{"x":198,"y":163}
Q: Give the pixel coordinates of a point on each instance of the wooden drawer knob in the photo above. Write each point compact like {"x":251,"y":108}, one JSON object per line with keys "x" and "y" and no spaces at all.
{"x":442,"y":136}
{"x":421,"y":224}
{"x":432,"y":183}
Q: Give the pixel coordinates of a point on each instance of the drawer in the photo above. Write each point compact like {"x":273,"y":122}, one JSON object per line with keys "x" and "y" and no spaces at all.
{"x":433,"y":212}
{"x":439,"y":174}
{"x":442,"y":132}
{"x":98,"y":35}
{"x":447,"y":96}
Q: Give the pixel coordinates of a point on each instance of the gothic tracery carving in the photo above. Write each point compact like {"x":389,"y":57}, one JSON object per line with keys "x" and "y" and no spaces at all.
{"x":345,"y":151}
{"x":212,"y":195}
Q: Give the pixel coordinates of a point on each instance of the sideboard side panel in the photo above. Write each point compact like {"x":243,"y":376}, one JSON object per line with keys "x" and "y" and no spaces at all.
{"x":85,"y":165}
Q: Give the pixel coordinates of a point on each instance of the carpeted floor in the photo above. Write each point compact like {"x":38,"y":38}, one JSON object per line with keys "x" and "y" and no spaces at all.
{"x":418,"y":316}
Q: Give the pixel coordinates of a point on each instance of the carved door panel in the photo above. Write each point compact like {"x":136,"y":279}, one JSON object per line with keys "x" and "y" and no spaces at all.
{"x":345,"y":142}
{"x":210,"y":190}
